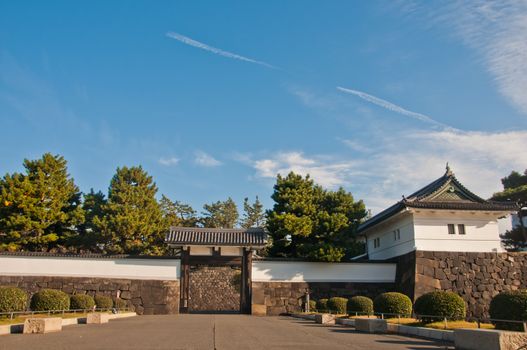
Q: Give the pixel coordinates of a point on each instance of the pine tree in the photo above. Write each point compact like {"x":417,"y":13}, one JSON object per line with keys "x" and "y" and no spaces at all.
{"x":309,"y":222}
{"x":515,"y":189}
{"x":220,"y":214}
{"x":89,"y":233}
{"x":132,"y":222}
{"x":177,"y":213}
{"x":39,"y":209}
{"x":253,"y":214}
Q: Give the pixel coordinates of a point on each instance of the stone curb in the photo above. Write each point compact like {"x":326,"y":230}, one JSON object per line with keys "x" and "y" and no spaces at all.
{"x":19,"y":327}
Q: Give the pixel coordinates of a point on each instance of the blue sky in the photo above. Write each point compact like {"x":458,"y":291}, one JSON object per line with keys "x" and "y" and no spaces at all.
{"x":241,"y":91}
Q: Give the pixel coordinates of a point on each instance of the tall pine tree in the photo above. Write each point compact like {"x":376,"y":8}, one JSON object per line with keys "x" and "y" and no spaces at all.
{"x":132,"y":222}
{"x":253,"y":214}
{"x":39,"y":209}
{"x":177,"y":213}
{"x":310,"y":222}
{"x":220,"y":214}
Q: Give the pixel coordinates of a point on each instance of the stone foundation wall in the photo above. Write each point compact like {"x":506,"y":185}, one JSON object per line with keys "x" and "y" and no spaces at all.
{"x":214,"y":288}
{"x":144,"y":296}
{"x":477,"y":277}
{"x":288,"y":297}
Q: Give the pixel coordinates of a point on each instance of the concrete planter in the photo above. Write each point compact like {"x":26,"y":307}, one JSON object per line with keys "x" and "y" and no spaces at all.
{"x":325,"y":318}
{"x":436,"y":334}
{"x":42,"y":325}
{"x":350,"y":322}
{"x":489,"y":339}
{"x":97,"y":318}
{"x":371,"y":325}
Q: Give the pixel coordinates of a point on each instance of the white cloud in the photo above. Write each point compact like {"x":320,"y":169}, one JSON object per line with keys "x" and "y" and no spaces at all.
{"x":392,"y":107}
{"x":170,"y":161}
{"x":495,"y":29}
{"x":324,"y":171}
{"x":206,"y":160}
{"x":189,"y":41}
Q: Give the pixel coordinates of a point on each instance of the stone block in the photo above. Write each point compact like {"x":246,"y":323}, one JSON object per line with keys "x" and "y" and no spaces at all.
{"x":258,"y":310}
{"x":489,"y":339}
{"x":325,"y":319}
{"x":97,"y":318}
{"x":42,"y":325}
{"x":371,"y":325}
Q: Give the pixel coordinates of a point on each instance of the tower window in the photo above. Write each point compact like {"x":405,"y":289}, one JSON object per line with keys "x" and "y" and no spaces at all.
{"x":461,"y":229}
{"x":451,"y":229}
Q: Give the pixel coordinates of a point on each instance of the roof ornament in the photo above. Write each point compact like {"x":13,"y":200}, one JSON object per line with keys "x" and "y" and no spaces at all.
{"x":449,"y":171}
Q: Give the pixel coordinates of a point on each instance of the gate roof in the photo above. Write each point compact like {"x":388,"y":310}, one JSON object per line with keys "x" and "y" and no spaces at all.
{"x":251,"y":237}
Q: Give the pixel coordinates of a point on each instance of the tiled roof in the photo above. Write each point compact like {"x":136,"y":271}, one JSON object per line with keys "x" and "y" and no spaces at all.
{"x":252,"y":237}
{"x":444,"y":193}
{"x":82,"y":255}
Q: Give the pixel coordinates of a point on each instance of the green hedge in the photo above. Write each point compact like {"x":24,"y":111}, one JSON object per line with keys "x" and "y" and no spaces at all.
{"x":312,"y":305}
{"x":393,"y":303}
{"x":322,"y":305}
{"x":119,"y":303}
{"x":12,"y":299}
{"x":361,"y":305}
{"x":103,"y":302}
{"x":510,"y":305}
{"x":442,"y":304}
{"x":338,"y":305}
{"x":82,"y":301}
{"x":50,"y":299}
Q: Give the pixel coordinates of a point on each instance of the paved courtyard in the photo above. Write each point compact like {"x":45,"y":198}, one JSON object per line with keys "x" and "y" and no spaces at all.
{"x":211,"y":332}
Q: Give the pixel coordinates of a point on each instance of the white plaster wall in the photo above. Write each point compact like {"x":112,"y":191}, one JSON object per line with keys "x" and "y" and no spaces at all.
{"x":431,"y":231}
{"x":295,"y":271}
{"x":144,"y":269}
{"x":231,"y":251}
{"x":200,"y":250}
{"x":389,"y":247}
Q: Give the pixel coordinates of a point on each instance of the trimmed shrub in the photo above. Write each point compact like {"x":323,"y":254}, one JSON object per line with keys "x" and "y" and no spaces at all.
{"x":312,"y":305}
{"x":510,"y":305}
{"x":361,"y":305}
{"x":440,"y":303}
{"x":81,"y":301}
{"x":50,"y":299}
{"x":103,"y":302}
{"x":338,"y":305}
{"x":12,"y":299}
{"x":393,"y":303}
{"x":322,"y":305}
{"x":119,"y":303}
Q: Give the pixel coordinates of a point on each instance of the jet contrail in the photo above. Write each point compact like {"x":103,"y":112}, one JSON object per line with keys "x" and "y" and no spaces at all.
{"x":200,"y":45}
{"x":392,"y":107}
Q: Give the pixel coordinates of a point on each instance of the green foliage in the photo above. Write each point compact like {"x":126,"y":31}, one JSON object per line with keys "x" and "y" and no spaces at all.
{"x":312,"y":305}
{"x":361,"y":305}
{"x":393,"y":303}
{"x":253,"y":214}
{"x":322,"y":305}
{"x":50,"y":299}
{"x":440,"y":303}
{"x":510,"y":305}
{"x":309,"y":222}
{"x":220,"y":214}
{"x":89,"y":233}
{"x":12,"y":299}
{"x":40,"y":208}
{"x":132,"y":221}
{"x":82,"y":301}
{"x":120,"y":304}
{"x":338,"y":305}
{"x":103,"y":302}
{"x":515,"y":189}
{"x":177,"y":213}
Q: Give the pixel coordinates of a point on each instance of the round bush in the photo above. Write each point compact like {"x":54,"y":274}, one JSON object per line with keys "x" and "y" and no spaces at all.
{"x":103,"y":302}
{"x":322,"y":305}
{"x":120,"y":304}
{"x":50,"y":299}
{"x":12,"y":299}
{"x":312,"y":305}
{"x":510,"y":305}
{"x":440,"y":303}
{"x":361,"y":305}
{"x":81,"y":301}
{"x":393,"y":303}
{"x":338,"y":305}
